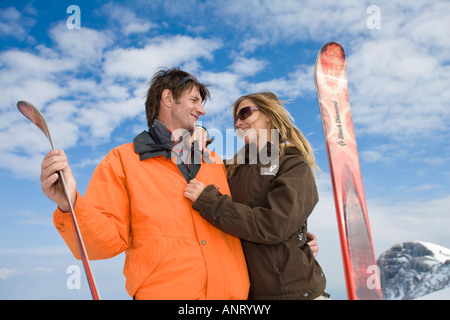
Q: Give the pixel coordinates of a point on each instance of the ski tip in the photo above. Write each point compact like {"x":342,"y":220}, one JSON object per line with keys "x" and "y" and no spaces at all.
{"x":21,"y":104}
{"x":334,"y":48}
{"x":331,"y":61}
{"x":330,"y":50}
{"x":24,"y":105}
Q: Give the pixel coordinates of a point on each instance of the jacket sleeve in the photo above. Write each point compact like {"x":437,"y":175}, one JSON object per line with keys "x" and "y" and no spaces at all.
{"x":103,"y":215}
{"x":292,"y":197}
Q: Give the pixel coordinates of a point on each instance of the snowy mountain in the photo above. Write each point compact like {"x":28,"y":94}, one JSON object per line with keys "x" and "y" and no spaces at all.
{"x":411,"y":270}
{"x":443,"y":294}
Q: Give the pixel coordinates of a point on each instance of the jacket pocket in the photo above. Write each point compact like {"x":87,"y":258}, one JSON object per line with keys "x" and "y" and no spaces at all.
{"x":143,"y":259}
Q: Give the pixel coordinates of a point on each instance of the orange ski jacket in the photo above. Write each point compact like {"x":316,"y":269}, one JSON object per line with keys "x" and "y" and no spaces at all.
{"x":138,"y":207}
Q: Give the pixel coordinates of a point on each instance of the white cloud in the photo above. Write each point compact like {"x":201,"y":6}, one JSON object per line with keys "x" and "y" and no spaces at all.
{"x":161,"y":52}
{"x":30,"y":77}
{"x":84,"y":46}
{"x":398,"y":89}
{"x":296,"y":84}
{"x":379,"y":153}
{"x":28,"y":166}
{"x":102,"y":118}
{"x":15,"y":24}
{"x":399,"y":222}
{"x":436,"y":160}
{"x":226,"y":88}
{"x":39,"y":251}
{"x":64,"y":130}
{"x":34,"y":65}
{"x":128,"y":22}
{"x":291,"y":20}
{"x":7,"y":273}
{"x":248,"y":66}
{"x":37,"y":91}
{"x":400,"y":74}
{"x":251,"y":44}
{"x":372,"y":156}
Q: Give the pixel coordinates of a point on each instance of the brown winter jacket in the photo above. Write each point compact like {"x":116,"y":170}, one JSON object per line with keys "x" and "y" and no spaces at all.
{"x":268,"y":212}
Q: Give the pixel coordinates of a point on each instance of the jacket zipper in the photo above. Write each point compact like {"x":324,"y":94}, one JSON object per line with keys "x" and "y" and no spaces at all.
{"x":277,"y":265}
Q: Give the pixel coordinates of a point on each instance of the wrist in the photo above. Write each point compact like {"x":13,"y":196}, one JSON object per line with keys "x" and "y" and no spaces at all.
{"x":65,"y":208}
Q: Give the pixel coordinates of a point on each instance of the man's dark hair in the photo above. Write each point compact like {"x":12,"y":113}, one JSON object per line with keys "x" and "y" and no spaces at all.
{"x":175,"y":80}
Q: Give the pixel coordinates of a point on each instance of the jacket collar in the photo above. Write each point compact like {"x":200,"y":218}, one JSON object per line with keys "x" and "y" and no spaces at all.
{"x":158,"y":141}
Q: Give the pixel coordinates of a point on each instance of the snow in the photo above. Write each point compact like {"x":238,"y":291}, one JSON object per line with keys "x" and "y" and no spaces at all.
{"x":440,"y":254}
{"x":413,"y":269}
{"x":443,"y":294}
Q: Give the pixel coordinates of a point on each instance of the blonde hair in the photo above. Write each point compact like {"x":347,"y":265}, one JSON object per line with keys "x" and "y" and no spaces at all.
{"x":289,"y":135}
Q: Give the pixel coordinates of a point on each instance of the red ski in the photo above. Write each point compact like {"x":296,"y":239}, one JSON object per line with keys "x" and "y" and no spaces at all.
{"x":356,"y":241}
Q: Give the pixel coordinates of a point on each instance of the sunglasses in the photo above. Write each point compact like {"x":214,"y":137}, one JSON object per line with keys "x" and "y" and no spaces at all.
{"x":186,"y":79}
{"x":246,"y":112}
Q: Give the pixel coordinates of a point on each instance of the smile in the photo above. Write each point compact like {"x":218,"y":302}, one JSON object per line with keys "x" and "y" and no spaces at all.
{"x":242,"y":132}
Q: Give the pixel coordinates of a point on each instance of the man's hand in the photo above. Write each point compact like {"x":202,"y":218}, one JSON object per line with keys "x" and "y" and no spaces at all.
{"x":53,"y":162}
{"x":312,"y":243}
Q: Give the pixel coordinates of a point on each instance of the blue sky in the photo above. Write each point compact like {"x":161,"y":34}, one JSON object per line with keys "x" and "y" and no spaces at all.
{"x":90,"y":84}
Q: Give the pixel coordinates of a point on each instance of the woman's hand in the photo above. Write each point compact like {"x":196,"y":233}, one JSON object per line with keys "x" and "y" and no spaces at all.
{"x":193,"y":190}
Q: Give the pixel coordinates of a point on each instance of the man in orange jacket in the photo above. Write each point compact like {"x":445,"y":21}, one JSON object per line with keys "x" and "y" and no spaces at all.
{"x":135,"y":203}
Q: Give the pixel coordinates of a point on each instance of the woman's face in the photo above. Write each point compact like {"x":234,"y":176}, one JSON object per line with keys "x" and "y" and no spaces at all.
{"x":252,"y":124}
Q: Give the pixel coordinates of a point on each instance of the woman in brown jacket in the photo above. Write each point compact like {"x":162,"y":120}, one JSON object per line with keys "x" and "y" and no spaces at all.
{"x":273,"y":190}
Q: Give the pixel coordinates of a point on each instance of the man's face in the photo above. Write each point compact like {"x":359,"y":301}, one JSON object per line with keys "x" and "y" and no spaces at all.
{"x":187,"y":110}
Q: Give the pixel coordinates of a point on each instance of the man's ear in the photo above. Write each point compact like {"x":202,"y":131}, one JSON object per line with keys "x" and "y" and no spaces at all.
{"x":167,"y":97}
